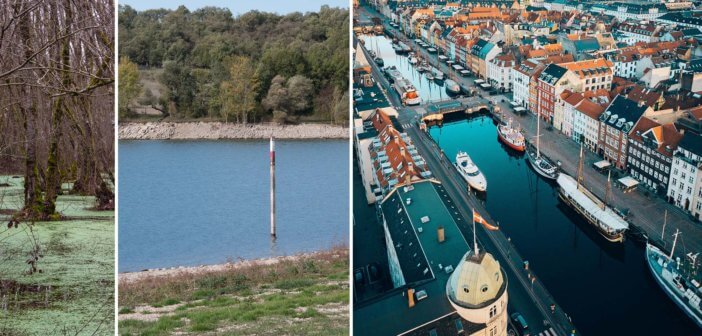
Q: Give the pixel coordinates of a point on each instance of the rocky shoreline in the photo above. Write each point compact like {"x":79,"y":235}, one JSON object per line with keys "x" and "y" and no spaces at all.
{"x":219,"y":130}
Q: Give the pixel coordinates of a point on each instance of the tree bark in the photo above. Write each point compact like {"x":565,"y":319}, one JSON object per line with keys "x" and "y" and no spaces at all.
{"x":53,"y":175}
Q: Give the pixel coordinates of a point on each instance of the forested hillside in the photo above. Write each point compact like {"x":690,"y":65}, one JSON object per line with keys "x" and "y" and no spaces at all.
{"x":249,"y":68}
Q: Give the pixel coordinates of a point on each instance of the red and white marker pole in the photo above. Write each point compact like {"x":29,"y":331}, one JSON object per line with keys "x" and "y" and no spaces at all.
{"x":272,"y":153}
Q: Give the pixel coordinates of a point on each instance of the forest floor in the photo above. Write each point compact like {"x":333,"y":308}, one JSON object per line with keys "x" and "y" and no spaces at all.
{"x":306,"y":294}
{"x":74,"y":292}
{"x":219,"y":130}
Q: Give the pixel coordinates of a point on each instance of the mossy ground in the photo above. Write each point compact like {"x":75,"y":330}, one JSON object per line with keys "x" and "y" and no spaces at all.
{"x":74,"y":292}
{"x":306,"y":296}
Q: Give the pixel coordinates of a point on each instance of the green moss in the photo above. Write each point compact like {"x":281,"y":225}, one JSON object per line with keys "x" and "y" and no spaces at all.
{"x":77,"y":264}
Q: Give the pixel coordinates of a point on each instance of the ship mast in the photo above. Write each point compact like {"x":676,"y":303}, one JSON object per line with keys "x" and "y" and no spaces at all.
{"x":665,"y":221}
{"x":580,"y":166}
{"x":675,"y":240}
{"x":538,"y":134}
{"x":608,"y":191}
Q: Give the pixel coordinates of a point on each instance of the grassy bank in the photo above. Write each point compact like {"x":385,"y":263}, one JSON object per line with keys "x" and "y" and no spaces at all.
{"x":72,"y":292}
{"x":305,"y":295}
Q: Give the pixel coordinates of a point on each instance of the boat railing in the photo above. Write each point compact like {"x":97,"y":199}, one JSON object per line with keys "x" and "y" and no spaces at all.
{"x":592,"y":196}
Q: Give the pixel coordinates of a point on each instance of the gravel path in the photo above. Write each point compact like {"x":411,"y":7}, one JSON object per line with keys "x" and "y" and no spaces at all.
{"x":219,"y":130}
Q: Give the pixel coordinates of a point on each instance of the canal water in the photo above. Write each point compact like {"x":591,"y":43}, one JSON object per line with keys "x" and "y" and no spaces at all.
{"x":205,"y":202}
{"x":428,"y":89}
{"x":605,"y":287}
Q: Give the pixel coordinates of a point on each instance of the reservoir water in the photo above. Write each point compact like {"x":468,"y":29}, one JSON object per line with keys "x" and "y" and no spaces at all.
{"x":605,"y":287}
{"x":382,"y":45}
{"x":205,"y":202}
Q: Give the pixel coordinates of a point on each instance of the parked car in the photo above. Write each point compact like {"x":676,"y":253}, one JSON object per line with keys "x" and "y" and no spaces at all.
{"x":520,"y":321}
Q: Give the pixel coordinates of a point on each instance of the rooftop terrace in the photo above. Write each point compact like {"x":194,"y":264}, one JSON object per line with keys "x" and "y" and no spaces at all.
{"x":391,"y":315}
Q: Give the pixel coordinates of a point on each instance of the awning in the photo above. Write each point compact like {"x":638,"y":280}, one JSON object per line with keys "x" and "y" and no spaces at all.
{"x":628,"y":182}
{"x":602,"y":164}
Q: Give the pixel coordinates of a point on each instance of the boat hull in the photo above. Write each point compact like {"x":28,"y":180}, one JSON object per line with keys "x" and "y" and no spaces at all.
{"x":519,"y":148}
{"x":614,"y":238}
{"x":651,"y":255}
{"x":473,"y":184}
{"x":531,"y":158}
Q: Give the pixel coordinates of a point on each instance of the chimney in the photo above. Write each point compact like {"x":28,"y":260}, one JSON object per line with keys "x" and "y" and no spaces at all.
{"x":440,"y":233}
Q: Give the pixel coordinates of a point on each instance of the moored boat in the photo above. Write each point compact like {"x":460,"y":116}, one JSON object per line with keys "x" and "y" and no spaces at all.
{"x":438,"y":75}
{"x":452,"y":87}
{"x":542,"y":164}
{"x":407,"y":92}
{"x":511,"y":136}
{"x":683,"y":289}
{"x":603,"y":218}
{"x":470,"y":172}
{"x":539,"y":162}
{"x":392,"y":74}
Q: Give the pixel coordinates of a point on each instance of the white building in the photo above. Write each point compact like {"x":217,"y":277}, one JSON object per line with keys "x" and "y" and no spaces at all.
{"x":500,"y":72}
{"x":624,"y":11}
{"x":625,"y":62}
{"x":586,"y":125}
{"x":632,"y":32}
{"x":477,"y":289}
{"x":685,"y":187}
{"x":521,"y":76}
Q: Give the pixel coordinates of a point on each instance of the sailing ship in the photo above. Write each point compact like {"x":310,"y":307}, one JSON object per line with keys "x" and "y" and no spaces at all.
{"x":607,"y":222}
{"x":511,"y":136}
{"x":680,"y":286}
{"x":470,"y":172}
{"x":541,"y":164}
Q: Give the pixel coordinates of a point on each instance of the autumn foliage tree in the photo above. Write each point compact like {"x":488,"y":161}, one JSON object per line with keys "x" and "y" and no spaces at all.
{"x":211,"y":60}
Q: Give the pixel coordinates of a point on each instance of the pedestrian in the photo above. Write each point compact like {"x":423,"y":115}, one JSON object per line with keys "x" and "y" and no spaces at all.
{"x":553,"y":308}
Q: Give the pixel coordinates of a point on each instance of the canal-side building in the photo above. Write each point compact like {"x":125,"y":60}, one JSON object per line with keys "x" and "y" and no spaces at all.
{"x":585,"y":119}
{"x":685,"y":187}
{"x":552,"y":81}
{"x":521,"y":77}
{"x":650,"y":153}
{"x":393,"y":156}
{"x":615,"y":123}
{"x":481,"y":53}
{"x":441,"y":286}
{"x":500,"y":72}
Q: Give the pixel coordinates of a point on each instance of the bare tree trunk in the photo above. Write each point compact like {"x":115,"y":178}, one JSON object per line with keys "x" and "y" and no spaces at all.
{"x":32,"y":191}
{"x":53,"y":175}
